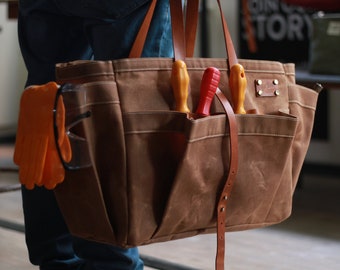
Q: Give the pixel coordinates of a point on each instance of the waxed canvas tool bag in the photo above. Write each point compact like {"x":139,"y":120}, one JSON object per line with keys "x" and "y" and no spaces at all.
{"x":157,"y":174}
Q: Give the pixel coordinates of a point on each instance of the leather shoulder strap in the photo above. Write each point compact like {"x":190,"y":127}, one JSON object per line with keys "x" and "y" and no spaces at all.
{"x":191,"y":23}
{"x":177,"y":25}
{"x":232,"y":58}
{"x":183,"y":40}
{"x":229,"y":183}
{"x":192,"y":11}
{"x":138,"y":45}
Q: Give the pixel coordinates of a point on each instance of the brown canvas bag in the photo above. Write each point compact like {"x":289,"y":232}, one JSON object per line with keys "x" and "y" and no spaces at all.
{"x":158,"y":174}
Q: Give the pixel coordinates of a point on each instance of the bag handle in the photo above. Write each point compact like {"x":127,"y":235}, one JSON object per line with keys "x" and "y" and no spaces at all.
{"x":190,"y":30}
{"x":178,"y":33}
{"x":183,"y":35}
{"x":138,"y":45}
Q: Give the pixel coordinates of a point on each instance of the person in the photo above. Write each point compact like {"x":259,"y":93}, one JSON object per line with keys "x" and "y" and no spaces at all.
{"x":54,"y":31}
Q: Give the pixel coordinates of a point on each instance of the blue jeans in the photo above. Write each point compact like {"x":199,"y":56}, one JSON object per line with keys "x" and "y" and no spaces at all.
{"x":53,"y":31}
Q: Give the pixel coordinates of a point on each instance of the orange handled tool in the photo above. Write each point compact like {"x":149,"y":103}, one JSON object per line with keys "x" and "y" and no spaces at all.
{"x":210,"y":80}
{"x":180,"y":88}
{"x":238,"y":84}
{"x":180,"y":85}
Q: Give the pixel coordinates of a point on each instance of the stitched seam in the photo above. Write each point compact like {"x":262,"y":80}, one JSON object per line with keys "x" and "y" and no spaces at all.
{"x":302,"y":105}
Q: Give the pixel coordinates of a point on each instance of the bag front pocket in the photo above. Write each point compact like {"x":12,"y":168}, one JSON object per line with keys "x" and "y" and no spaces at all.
{"x":154,"y":143}
{"x":262,"y":193}
{"x":178,"y":166}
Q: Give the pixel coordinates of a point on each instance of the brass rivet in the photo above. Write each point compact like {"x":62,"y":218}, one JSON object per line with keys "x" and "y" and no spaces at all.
{"x":225,"y":197}
{"x":259,"y":92}
{"x":275,"y":82}
{"x":222,"y":209}
{"x":277,"y":92}
{"x":259,"y":82}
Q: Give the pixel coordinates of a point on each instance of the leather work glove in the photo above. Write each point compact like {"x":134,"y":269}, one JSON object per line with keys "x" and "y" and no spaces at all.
{"x":35,"y":152}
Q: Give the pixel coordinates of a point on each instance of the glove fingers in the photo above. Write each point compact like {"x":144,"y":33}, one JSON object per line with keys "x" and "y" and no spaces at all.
{"x":54,"y":172}
{"x":39,"y":161}
{"x":24,"y":177}
{"x":33,"y":160}
{"x":19,"y":149}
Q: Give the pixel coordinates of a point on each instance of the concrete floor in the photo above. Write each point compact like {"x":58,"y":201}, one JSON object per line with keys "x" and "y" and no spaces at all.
{"x":308,"y":240}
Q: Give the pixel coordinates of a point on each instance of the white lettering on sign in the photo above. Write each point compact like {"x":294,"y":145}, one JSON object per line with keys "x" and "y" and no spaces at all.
{"x":275,"y":20}
{"x":271,"y":6}
{"x":264,"y":6}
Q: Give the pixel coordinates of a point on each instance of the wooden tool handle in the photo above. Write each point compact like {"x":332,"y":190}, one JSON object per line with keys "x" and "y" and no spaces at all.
{"x":238,"y":84}
{"x":180,"y":85}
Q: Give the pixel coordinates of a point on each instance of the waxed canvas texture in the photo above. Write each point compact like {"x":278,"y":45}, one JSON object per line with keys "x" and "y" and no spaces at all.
{"x":157,"y":174}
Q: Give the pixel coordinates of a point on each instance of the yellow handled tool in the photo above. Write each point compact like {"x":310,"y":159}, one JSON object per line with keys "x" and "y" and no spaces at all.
{"x":180,"y":85}
{"x":238,"y":84}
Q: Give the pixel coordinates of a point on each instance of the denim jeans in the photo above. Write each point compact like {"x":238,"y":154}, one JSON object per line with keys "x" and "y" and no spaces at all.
{"x":53,"y":31}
